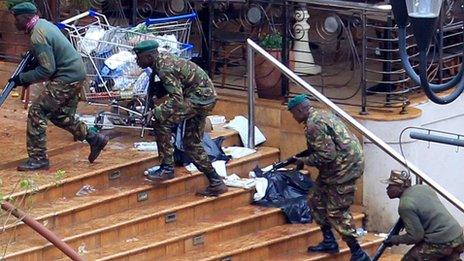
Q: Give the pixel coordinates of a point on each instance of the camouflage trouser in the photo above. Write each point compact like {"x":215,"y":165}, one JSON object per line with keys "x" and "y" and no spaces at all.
{"x":424,"y":251}
{"x":57,"y":102}
{"x":330,"y":205}
{"x":195,"y":116}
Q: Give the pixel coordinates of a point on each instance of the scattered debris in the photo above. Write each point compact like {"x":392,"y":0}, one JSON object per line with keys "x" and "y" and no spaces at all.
{"x":130,"y":240}
{"x":238,"y":152}
{"x":361,"y":232}
{"x":82,"y":249}
{"x":235,"y":181}
{"x":85,"y":190}
{"x":146,"y":146}
{"x":384,"y":235}
{"x":240,"y":124}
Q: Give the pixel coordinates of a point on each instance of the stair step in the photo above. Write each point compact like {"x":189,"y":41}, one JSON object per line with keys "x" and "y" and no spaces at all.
{"x":119,"y":197}
{"x":183,"y":237}
{"x":134,"y":222}
{"x":115,"y":167}
{"x":256,"y":245}
{"x":369,"y":243}
{"x":13,"y":138}
{"x":117,"y":162}
{"x":387,"y":256}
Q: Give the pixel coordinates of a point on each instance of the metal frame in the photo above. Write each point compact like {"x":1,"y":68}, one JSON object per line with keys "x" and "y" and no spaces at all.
{"x":253,"y":47}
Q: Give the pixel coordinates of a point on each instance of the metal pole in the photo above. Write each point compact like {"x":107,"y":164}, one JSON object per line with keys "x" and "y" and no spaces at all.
{"x":367,"y":133}
{"x":285,"y":49}
{"x":209,"y":54}
{"x":42,"y":230}
{"x":134,"y":12}
{"x":363,"y":65}
{"x":251,"y":96}
{"x":439,"y":46}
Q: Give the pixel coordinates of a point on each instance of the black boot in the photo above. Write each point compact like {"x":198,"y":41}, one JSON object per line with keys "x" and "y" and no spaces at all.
{"x":97,"y":142}
{"x":357,"y":254}
{"x":215,"y":188}
{"x":164,"y":172}
{"x":328,"y":245}
{"x":34,"y":164}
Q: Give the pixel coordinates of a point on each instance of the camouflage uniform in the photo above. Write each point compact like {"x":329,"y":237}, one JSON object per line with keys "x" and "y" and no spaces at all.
{"x":60,"y":63}
{"x":57,"y":103}
{"x":338,"y":155}
{"x":191,"y":97}
{"x":429,"y":251}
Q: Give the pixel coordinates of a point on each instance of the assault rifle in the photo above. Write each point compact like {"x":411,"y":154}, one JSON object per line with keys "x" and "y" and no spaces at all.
{"x":395,"y":230}
{"x":289,"y":161}
{"x":25,"y":62}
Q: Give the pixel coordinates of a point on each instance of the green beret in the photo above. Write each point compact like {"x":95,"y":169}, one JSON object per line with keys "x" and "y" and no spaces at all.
{"x":297,"y":100}
{"x":11,"y":3}
{"x":24,"y":8}
{"x":145,"y":46}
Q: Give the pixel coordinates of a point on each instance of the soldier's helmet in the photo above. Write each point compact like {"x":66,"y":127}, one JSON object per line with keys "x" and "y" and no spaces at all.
{"x":398,"y":177}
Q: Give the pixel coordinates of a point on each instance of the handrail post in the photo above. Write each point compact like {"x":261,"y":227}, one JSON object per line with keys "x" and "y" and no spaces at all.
{"x":251,"y":96}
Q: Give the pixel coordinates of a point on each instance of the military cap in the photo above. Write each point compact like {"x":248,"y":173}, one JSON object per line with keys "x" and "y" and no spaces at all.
{"x":297,"y":100}
{"x":24,"y":8}
{"x":398,"y":177}
{"x":145,"y":46}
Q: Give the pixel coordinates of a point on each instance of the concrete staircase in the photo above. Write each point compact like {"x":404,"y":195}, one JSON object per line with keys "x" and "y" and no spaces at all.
{"x":127,"y":218}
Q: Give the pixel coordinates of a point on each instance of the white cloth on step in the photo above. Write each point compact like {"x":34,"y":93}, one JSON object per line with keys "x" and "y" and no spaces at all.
{"x":261,"y":187}
{"x":235,"y":181}
{"x":238,"y":152}
{"x":240,"y":124}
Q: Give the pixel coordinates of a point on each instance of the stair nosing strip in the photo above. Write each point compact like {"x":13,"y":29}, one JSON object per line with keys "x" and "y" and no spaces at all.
{"x":269,"y":242}
{"x":137,"y":219}
{"x":147,"y":186}
{"x":79,"y":177}
{"x":191,"y":234}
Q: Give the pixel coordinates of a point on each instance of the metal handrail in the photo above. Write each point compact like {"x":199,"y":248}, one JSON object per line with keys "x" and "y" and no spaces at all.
{"x":252,"y":47}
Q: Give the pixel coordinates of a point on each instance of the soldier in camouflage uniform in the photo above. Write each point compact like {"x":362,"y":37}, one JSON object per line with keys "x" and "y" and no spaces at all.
{"x":62,"y":66}
{"x":190,"y":97}
{"x":436,"y":235}
{"x":338,"y":155}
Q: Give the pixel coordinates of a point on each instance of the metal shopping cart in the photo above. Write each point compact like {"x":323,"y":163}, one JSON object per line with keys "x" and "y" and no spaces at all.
{"x":113,"y":77}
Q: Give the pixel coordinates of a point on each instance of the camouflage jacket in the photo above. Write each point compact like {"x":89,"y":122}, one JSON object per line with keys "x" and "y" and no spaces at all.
{"x":184,"y":81}
{"x":57,"y":58}
{"x":333,"y":149}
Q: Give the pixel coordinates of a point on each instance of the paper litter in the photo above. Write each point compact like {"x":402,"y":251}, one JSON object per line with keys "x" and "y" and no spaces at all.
{"x":146,"y":146}
{"x":238,"y":152}
{"x":235,"y":181}
{"x":240,"y":124}
{"x":85,"y":190}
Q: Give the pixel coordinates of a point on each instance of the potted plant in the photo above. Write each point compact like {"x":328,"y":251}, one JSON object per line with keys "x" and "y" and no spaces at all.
{"x":268,"y":78}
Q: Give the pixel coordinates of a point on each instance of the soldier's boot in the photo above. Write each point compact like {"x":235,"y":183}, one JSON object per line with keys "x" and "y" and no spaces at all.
{"x":34,"y":164}
{"x":164,"y":172}
{"x":97,"y":143}
{"x":329,"y":243}
{"x":357,"y":254}
{"x":215,"y":188}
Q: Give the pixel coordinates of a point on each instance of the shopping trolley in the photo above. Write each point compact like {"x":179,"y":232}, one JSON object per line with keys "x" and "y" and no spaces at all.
{"x":113,"y":77}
